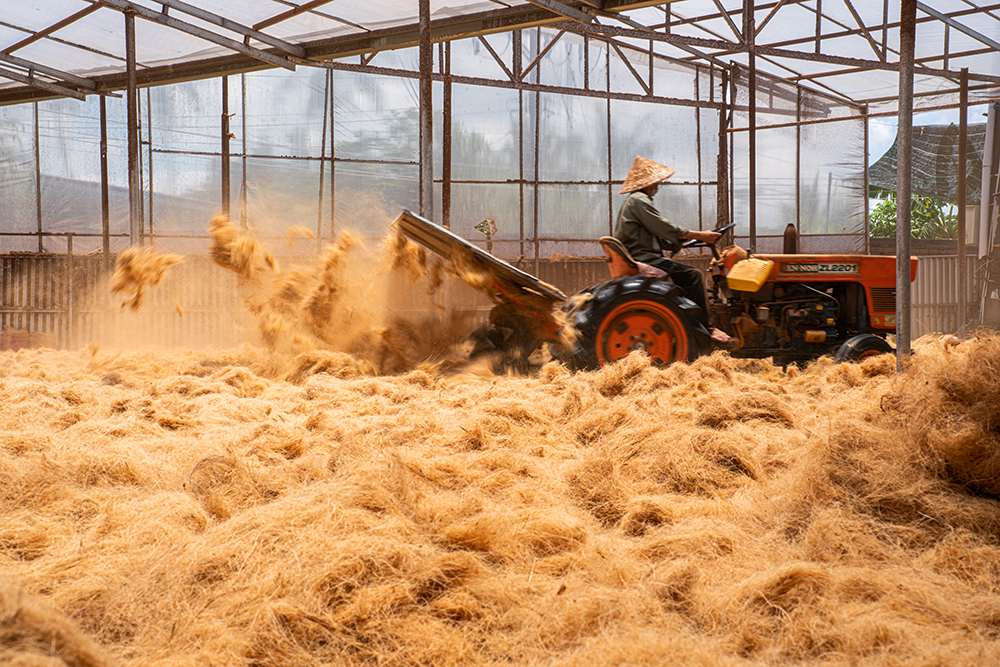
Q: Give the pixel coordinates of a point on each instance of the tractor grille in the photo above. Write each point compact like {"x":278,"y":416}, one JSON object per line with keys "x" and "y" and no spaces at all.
{"x":883,"y":299}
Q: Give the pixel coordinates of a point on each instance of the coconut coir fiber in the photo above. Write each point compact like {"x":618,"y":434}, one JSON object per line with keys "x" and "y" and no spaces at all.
{"x":193,"y":508}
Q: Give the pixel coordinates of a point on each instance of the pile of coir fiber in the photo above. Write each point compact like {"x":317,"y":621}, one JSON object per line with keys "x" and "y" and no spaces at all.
{"x":225,"y":508}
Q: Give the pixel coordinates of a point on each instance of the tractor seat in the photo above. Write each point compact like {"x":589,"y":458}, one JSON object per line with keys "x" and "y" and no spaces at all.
{"x":620,"y":262}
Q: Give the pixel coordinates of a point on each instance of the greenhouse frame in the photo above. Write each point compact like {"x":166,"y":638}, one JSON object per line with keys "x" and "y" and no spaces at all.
{"x":329,"y":116}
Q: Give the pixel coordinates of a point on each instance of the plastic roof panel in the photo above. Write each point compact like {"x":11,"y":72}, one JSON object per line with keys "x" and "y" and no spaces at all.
{"x":36,"y":16}
{"x":72,"y":59}
{"x":10,"y":36}
{"x":311,"y":26}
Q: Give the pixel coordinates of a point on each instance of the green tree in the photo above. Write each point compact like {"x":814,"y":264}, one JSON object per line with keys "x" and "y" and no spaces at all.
{"x":929,"y":218}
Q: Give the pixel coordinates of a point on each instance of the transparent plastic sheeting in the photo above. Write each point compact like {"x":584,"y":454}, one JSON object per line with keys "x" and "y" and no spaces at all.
{"x":812,"y":174}
{"x":95,"y":45}
{"x":283,"y":121}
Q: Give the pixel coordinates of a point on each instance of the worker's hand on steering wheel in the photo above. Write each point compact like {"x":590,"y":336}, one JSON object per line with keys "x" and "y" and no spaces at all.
{"x":705,"y":237}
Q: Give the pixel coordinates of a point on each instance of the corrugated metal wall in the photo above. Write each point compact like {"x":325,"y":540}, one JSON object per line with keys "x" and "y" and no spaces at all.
{"x":199,"y":304}
{"x":934,"y":295}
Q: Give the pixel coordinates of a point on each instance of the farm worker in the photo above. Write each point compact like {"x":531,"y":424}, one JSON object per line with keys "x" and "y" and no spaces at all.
{"x":646,"y":233}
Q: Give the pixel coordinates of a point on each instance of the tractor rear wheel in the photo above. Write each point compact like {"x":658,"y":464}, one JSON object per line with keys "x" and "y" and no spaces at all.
{"x":861,"y":347}
{"x":634,"y":313}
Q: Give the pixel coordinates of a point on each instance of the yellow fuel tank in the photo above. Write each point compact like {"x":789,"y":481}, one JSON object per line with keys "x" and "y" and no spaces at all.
{"x":749,"y":274}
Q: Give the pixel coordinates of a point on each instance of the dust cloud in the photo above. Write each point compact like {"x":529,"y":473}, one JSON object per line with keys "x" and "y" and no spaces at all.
{"x":387,"y":306}
{"x":318,"y":500}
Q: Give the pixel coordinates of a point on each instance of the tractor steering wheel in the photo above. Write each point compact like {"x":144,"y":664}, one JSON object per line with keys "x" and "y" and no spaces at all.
{"x":695,"y":243}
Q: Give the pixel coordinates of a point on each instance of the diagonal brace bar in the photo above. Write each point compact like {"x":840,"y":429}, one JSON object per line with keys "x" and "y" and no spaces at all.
{"x":34,"y":37}
{"x":645,"y":86}
{"x":171,"y":22}
{"x":564,"y":10}
{"x":540,"y":55}
{"x":961,"y":27}
{"x":65,"y":76}
{"x":770,"y":15}
{"x":44,"y":85}
{"x":732,"y":24}
{"x":496,"y":57}
{"x":864,"y":30}
{"x":223,"y":22}
{"x":291,"y":13}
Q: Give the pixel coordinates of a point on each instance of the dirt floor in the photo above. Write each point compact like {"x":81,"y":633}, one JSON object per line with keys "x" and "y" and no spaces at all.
{"x":245,"y":507}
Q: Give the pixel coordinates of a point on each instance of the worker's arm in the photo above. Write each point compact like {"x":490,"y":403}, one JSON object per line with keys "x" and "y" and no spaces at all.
{"x":650,"y":218}
{"x":707,"y":237}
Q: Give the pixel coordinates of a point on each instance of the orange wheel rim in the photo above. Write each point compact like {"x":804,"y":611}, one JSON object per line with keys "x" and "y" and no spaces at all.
{"x":869,"y":354}
{"x":642,"y":325}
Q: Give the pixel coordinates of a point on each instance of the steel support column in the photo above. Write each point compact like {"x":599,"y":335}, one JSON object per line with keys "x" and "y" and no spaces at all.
{"x":322,"y":160}
{"x":904,"y":153}
{"x":867,"y":243}
{"x":38,"y":178}
{"x":333,"y":157}
{"x":962,"y":196}
{"x":748,"y":32}
{"x":132,"y":101}
{"x":105,"y":205}
{"x":798,"y":159}
{"x":517,"y":64}
{"x":149,"y":143}
{"x":446,"y":139}
{"x":426,"y":113}
{"x":722,"y":164}
{"x":225,"y":146}
{"x":243,"y":140}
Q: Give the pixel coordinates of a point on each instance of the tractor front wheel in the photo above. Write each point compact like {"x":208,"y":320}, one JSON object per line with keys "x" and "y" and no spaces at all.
{"x":632,"y":314}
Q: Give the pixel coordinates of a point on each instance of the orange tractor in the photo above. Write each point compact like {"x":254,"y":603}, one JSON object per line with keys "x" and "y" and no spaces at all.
{"x":791,"y":308}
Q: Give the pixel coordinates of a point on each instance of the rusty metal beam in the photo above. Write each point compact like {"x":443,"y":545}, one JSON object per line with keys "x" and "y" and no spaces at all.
{"x":208,"y":35}
{"x":502,"y":20}
{"x":564,"y":10}
{"x":528,"y":87}
{"x":838,"y":119}
{"x":541,"y":55}
{"x":961,"y":27}
{"x":770,"y":15}
{"x":132,"y":130}
{"x":884,"y":26}
{"x":291,"y":13}
{"x":864,"y":31}
{"x":42,"y":85}
{"x":496,"y":57}
{"x":904,"y":153}
{"x":470,"y":25}
{"x":730,"y":47}
{"x":35,"y":36}
{"x":724,"y":14}
{"x":869,"y":64}
{"x":55,"y":73}
{"x":617,"y":49}
{"x":426,"y":113}
{"x":233,"y":26}
{"x":962,"y":197}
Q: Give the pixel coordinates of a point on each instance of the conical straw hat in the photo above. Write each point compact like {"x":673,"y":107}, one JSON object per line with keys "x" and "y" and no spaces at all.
{"x":643,"y":173}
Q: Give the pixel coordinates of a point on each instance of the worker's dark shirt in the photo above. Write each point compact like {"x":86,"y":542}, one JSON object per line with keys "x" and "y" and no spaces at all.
{"x":644,"y":230}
